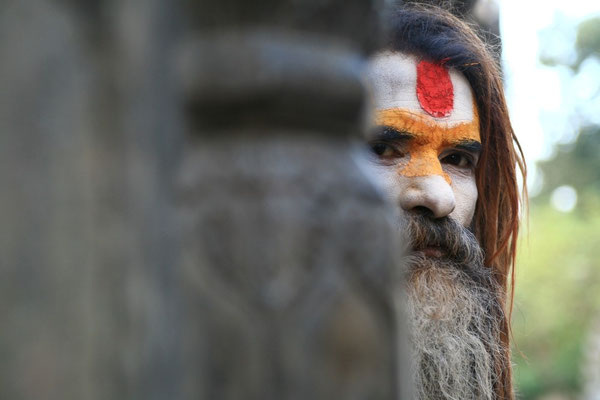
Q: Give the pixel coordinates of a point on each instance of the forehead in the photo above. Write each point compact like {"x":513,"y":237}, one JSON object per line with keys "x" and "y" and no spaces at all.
{"x":428,"y":91}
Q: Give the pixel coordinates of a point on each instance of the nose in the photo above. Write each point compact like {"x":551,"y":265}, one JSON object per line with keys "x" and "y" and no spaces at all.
{"x":431,"y":192}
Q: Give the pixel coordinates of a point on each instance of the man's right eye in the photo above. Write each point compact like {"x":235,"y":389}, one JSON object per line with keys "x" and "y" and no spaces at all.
{"x":384,"y":150}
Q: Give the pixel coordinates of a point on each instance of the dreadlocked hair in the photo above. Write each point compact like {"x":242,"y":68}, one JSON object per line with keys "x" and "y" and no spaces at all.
{"x":435,"y":34}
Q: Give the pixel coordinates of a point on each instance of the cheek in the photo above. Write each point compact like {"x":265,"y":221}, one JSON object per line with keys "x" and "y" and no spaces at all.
{"x":389,"y":181}
{"x":465,"y":192}
{"x":384,"y":177}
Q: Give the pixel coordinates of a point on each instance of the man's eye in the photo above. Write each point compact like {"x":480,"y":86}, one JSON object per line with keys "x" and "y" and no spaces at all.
{"x":384,"y":150}
{"x":458,"y":160}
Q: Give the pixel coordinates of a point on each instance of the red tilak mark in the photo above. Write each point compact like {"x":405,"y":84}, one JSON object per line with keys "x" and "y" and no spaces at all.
{"x":434,"y":89}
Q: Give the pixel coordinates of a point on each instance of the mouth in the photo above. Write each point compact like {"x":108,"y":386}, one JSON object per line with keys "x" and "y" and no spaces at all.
{"x":433,"y":251}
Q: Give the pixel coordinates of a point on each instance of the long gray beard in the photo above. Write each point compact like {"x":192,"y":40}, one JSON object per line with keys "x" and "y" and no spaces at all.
{"x":455,"y":316}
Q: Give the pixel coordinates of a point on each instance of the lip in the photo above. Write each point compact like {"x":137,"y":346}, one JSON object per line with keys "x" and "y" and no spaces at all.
{"x":433,"y":252}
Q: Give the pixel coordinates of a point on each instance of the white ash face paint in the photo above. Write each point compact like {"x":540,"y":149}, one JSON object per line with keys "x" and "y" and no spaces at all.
{"x":392,"y":77}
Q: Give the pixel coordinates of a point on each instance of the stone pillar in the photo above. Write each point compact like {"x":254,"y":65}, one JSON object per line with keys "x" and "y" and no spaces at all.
{"x":288,"y":250}
{"x":183,"y":217}
{"x":45,"y":208}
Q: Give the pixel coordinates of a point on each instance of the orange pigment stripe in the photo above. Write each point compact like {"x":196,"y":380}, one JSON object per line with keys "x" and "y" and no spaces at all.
{"x":431,"y":137}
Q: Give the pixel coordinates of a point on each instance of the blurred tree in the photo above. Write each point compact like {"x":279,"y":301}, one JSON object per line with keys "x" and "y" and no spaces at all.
{"x":576,"y":164}
{"x":588,"y":40}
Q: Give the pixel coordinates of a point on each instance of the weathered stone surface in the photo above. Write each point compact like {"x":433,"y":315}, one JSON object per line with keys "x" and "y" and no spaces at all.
{"x":353,"y":22}
{"x":182,"y":216}
{"x":288,"y":250}
{"x":261,"y":79}
{"x":44,"y":205}
{"x":284,"y":236}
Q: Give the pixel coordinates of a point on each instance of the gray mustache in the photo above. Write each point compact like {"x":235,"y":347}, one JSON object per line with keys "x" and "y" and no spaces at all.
{"x":459,"y":243}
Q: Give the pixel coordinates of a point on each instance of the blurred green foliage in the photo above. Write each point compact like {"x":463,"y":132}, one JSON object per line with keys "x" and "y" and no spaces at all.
{"x":576,"y":164}
{"x":588,"y":39}
{"x":557,"y":297}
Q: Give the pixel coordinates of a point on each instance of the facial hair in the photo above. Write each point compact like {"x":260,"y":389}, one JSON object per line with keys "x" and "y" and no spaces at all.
{"x":454,"y":313}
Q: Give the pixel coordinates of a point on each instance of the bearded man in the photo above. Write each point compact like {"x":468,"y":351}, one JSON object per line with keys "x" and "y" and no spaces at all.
{"x":447,"y":156}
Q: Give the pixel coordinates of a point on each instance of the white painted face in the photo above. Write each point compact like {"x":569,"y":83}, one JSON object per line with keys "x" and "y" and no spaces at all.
{"x":427,"y":143}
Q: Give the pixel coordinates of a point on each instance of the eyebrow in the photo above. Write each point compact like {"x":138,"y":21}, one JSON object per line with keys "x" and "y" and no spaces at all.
{"x":472,"y":146}
{"x":388,"y":133}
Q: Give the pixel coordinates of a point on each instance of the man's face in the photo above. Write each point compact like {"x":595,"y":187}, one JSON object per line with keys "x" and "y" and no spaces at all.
{"x":427,"y":141}
{"x":425,"y":150}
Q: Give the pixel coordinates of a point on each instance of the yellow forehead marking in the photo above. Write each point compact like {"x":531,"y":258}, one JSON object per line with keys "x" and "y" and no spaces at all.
{"x":430,"y":138}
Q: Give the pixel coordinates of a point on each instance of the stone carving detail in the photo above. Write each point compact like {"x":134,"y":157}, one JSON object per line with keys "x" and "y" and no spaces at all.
{"x":288,"y":251}
{"x":182,"y":215}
